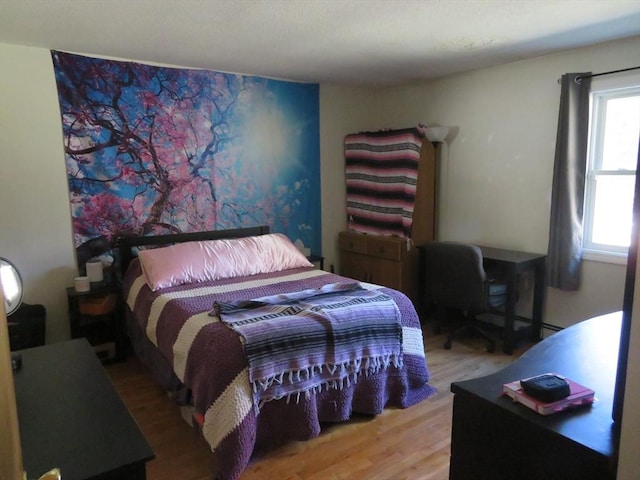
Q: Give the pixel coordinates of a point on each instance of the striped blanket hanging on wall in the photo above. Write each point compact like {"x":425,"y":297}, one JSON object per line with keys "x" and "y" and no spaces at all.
{"x":381,"y":176}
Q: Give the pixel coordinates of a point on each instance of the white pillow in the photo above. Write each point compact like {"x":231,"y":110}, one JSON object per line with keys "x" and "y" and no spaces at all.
{"x":193,"y":262}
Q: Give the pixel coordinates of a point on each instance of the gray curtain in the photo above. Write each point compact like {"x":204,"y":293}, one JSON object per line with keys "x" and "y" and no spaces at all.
{"x":565,"y":230}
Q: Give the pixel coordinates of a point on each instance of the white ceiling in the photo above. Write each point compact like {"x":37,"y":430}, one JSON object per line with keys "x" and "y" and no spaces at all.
{"x":359,"y":42}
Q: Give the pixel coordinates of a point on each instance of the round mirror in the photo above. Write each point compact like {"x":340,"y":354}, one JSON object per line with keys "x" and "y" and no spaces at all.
{"x":11,"y":285}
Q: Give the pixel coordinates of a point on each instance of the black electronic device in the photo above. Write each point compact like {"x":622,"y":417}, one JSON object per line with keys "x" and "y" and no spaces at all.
{"x":546,"y":388}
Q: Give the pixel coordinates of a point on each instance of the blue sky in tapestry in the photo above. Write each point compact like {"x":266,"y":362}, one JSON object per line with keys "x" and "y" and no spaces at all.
{"x":156,"y":150}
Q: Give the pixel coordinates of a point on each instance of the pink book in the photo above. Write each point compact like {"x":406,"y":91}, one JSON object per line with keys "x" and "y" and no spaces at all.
{"x":580,"y":395}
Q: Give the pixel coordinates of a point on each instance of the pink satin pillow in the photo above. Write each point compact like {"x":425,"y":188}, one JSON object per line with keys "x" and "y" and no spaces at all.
{"x":194,"y":262}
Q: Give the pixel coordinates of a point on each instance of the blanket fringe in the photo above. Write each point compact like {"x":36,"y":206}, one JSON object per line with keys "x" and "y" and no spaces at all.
{"x":347,"y":372}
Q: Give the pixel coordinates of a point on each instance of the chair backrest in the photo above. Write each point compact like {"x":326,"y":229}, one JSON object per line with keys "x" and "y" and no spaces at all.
{"x":454,"y":275}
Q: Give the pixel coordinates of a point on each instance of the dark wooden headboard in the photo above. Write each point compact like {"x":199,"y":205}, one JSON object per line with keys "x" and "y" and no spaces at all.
{"x":127,"y":245}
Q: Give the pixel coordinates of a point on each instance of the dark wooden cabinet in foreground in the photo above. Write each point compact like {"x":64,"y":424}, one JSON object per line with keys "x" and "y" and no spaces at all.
{"x":494,"y":438}
{"x":72,"y":418}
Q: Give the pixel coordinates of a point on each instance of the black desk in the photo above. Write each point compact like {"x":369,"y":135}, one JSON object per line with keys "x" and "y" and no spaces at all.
{"x":493,"y":437}
{"x":513,"y":263}
{"x":71,"y":417}
{"x":317,"y":260}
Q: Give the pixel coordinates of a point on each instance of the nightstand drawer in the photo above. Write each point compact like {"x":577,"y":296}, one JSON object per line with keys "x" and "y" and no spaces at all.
{"x":385,"y":247}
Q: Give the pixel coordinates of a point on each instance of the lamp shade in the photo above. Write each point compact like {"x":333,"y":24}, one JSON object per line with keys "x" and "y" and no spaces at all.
{"x":436,"y":134}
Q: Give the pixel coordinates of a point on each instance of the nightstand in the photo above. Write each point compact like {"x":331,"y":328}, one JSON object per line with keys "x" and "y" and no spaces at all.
{"x":317,"y":260}
{"x":27,"y":326}
{"x":97,"y":315}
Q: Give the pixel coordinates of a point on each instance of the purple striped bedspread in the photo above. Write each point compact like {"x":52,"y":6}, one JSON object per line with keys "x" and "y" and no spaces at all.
{"x":208,"y":357}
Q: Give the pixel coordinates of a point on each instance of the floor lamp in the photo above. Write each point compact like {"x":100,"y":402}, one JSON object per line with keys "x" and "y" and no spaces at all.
{"x":436,"y":135}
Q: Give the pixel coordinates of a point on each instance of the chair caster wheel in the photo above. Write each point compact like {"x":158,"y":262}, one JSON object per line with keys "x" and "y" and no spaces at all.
{"x":447,"y":345}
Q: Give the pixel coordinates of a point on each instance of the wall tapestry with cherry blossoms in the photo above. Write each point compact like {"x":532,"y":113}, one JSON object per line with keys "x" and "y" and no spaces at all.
{"x":157,"y":150}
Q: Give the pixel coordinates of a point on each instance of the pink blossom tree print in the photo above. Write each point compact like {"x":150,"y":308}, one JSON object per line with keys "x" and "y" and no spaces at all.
{"x":155,"y":150}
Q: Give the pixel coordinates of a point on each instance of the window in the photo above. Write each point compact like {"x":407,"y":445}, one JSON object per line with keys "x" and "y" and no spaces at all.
{"x":611,"y":169}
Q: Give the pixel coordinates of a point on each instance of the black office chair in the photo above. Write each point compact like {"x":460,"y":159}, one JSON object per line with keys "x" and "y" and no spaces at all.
{"x":456,"y":282}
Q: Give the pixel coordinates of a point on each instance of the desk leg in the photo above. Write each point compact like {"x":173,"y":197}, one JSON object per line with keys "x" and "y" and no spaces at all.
{"x":538,"y":301}
{"x":510,"y":310}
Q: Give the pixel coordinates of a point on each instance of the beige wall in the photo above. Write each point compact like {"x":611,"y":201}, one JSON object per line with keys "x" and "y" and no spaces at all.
{"x":495,"y":184}
{"x":34,"y":205}
{"x":342,"y":110}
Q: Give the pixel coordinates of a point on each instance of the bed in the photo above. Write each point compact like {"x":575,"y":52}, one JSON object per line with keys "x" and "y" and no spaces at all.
{"x":202,"y":336}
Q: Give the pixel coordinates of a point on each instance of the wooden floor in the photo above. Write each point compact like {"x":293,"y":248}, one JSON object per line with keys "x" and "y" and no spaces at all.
{"x":399,"y":444}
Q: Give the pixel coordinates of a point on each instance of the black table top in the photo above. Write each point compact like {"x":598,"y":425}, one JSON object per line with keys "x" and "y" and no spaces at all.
{"x":71,"y":416}
{"x":509,"y":256}
{"x":587,"y":353}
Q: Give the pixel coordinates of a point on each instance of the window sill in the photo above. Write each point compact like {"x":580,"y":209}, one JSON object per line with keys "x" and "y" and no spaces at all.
{"x":605,"y":257}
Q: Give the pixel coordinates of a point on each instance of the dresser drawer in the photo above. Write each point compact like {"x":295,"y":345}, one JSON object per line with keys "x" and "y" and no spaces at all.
{"x":352,"y":242}
{"x":385,"y":247}
{"x":383,"y":260}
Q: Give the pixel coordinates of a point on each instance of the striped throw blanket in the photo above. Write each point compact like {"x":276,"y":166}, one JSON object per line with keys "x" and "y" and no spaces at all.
{"x":381,"y":171}
{"x":323,"y":338}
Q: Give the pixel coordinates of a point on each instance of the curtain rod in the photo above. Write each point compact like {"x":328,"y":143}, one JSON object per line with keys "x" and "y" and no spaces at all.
{"x":606,"y":73}
{"x":611,"y":72}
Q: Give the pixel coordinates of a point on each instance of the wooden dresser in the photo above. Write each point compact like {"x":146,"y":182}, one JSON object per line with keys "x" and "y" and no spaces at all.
{"x":382,"y":260}
{"x":394,"y":261}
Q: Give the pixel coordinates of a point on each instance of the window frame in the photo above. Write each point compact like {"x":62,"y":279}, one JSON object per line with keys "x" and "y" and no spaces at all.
{"x":603,"y":90}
